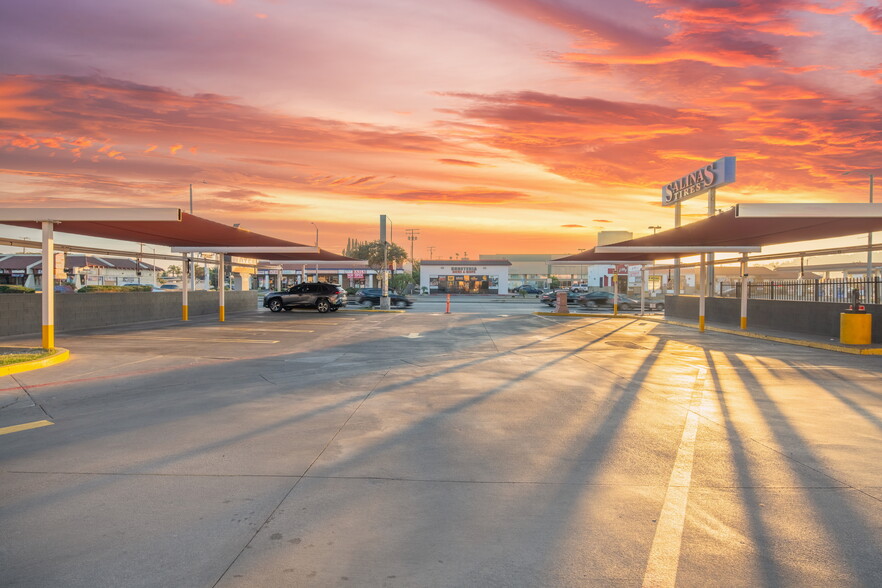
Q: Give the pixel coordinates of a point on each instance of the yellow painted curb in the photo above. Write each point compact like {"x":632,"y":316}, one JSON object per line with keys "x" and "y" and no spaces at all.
{"x":801,"y":342}
{"x":60,"y":355}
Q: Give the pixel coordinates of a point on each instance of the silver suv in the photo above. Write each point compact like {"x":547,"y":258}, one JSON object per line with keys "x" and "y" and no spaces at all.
{"x":322,"y":296}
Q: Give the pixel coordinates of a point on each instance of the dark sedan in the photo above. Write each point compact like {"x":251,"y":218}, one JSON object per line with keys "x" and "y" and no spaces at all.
{"x":550,"y":298}
{"x":601,"y":298}
{"x":370,"y":297}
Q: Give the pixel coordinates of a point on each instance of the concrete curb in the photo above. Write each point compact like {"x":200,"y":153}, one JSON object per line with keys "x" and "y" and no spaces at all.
{"x":856,"y":350}
{"x":60,"y":355}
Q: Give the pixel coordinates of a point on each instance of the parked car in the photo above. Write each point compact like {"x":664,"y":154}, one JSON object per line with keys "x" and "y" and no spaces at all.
{"x":170,"y":288}
{"x":579,"y":287}
{"x":550,"y":298}
{"x":322,"y":296}
{"x":370,"y":297}
{"x":527,"y":289}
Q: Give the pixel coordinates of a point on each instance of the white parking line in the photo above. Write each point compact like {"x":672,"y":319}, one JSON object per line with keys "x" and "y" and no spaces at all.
{"x":200,"y":339}
{"x":664,"y":556}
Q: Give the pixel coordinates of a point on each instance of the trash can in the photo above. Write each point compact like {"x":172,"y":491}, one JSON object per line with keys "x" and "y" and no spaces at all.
{"x":855,"y":327}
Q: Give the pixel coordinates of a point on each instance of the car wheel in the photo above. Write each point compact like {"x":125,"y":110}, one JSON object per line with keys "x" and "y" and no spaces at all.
{"x":322,"y":305}
{"x":659,"y":306}
{"x":400,"y":303}
{"x":275,"y":304}
{"x":335,"y":308}
{"x":367,"y":303}
{"x":624,"y":306}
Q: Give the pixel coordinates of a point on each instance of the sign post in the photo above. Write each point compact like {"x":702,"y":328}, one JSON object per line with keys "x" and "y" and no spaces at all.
{"x":705,"y":179}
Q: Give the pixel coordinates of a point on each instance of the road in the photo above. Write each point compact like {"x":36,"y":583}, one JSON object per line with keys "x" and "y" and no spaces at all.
{"x":480,"y":448}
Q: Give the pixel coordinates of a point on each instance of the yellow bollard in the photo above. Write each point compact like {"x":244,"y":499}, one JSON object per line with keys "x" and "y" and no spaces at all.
{"x":855,"y":328}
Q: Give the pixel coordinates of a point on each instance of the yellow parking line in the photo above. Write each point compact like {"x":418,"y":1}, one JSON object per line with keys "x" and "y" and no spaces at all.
{"x":25,"y":427}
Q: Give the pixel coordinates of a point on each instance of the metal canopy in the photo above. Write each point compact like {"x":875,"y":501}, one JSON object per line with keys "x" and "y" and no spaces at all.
{"x":752,"y":225}
{"x":191,"y":232}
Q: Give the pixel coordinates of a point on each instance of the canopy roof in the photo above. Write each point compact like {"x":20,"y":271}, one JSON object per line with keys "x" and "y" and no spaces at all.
{"x":745,"y":225}
{"x":189,"y":231}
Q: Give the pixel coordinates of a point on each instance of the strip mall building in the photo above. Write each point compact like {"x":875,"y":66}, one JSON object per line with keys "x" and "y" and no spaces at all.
{"x":464,"y":276}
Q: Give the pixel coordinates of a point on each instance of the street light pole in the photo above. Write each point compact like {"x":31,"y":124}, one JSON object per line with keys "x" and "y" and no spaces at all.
{"x":654,"y":228}
{"x":316,"y":233}
{"x":869,"y":236}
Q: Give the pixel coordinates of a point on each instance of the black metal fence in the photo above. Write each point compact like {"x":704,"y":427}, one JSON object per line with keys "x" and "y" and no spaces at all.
{"x":837,"y":290}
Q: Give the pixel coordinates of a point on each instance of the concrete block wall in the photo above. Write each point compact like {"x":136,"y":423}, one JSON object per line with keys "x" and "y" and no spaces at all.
{"x":811,"y":318}
{"x":20,"y":314}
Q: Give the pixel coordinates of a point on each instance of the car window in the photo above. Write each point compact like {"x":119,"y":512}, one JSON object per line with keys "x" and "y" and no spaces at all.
{"x":298,"y":289}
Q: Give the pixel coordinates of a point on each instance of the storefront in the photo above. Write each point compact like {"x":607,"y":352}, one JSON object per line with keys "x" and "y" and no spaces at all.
{"x":448,"y":276}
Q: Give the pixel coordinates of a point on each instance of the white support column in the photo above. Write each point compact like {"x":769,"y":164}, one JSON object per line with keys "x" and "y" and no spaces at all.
{"x":185,"y":279}
{"x":642,"y":289}
{"x":678,"y":216}
{"x":711,"y":210}
{"x":745,"y":288}
{"x":48,"y":296}
{"x":221,"y":287}
{"x":702,"y":290}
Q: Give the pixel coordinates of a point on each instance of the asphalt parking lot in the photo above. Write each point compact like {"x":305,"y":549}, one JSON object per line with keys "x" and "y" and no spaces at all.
{"x":478,"y":448}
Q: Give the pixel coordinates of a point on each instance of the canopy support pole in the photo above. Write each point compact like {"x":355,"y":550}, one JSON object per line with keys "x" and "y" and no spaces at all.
{"x":678,"y":216}
{"x":642,"y":289}
{"x":185,"y":279}
{"x":48,"y":295}
{"x":221,"y":286}
{"x":702,"y":289}
{"x":744,"y":291}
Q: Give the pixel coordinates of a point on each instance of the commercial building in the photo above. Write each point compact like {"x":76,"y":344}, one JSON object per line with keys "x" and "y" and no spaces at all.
{"x":78,"y":270}
{"x":464,"y":276}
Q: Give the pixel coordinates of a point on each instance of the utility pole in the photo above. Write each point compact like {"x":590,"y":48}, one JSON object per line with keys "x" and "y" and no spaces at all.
{"x":412,"y":235}
{"x":384,"y":293}
{"x":431,"y":249}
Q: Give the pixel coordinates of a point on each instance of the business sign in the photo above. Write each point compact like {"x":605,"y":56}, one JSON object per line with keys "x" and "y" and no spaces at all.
{"x":463,"y":270}
{"x":713,"y":175}
{"x":59,"y":263}
{"x":356,"y":275}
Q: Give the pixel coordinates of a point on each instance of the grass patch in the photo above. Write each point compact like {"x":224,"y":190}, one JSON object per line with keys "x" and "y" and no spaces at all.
{"x":11,"y":356}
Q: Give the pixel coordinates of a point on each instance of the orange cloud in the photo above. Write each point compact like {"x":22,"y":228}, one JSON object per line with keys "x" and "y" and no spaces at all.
{"x":175,"y":148}
{"x":447,"y":161}
{"x":871,"y":18}
{"x":462,"y":196}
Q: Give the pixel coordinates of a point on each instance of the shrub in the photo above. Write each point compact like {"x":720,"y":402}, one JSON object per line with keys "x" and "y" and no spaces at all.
{"x":88,"y":289}
{"x":12,"y":289}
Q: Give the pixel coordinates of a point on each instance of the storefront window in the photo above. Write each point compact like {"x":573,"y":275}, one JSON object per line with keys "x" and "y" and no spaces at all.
{"x":465,"y":284}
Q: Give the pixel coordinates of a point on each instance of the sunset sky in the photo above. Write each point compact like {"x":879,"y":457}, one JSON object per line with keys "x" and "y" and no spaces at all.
{"x":492,"y":126}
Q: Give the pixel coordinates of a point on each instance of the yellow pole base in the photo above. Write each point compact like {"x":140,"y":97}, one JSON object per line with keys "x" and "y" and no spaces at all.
{"x":185,"y":313}
{"x":701,"y":323}
{"x":48,"y":336}
{"x":743,"y":323}
{"x":221,"y":314}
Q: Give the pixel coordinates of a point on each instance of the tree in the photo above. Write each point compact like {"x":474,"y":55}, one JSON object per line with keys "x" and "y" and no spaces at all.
{"x":173,"y":270}
{"x":372,"y":252}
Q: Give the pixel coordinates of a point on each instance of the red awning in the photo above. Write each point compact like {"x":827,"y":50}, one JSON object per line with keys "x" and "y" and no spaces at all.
{"x":190,"y":231}
{"x":728,"y":229}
